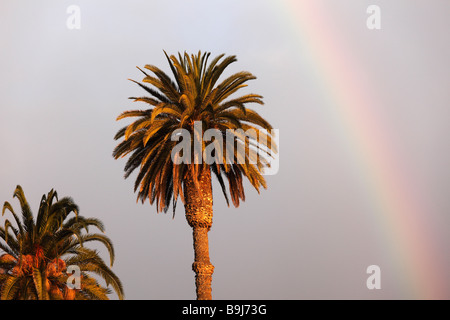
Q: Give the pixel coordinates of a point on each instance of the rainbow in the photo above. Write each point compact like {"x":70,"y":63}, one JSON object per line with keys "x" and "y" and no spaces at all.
{"x":401,"y":215}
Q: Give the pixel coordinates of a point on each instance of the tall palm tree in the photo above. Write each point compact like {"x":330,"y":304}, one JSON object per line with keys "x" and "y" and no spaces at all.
{"x":193,"y":102}
{"x":40,"y":254}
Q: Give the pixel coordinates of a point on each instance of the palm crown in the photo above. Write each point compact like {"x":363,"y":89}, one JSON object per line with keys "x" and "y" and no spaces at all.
{"x":177,"y":104}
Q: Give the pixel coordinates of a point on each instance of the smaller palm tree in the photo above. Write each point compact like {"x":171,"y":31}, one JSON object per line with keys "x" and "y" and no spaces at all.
{"x":39,"y":254}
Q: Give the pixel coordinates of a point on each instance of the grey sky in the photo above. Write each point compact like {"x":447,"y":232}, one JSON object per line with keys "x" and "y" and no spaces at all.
{"x":316,"y":229}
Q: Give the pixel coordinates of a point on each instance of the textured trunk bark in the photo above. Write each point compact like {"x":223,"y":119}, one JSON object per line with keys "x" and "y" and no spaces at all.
{"x":198,"y":207}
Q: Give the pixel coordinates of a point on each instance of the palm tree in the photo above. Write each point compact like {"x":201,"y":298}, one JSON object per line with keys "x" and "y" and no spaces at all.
{"x":38,"y":254}
{"x":193,"y":102}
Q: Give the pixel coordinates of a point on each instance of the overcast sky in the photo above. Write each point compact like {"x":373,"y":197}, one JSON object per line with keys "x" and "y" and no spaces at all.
{"x":319,"y":225}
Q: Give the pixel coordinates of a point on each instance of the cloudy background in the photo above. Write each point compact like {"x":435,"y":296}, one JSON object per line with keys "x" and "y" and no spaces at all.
{"x":315,"y":230}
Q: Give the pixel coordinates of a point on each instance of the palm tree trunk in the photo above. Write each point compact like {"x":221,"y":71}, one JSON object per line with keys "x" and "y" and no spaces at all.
{"x":198,"y":207}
